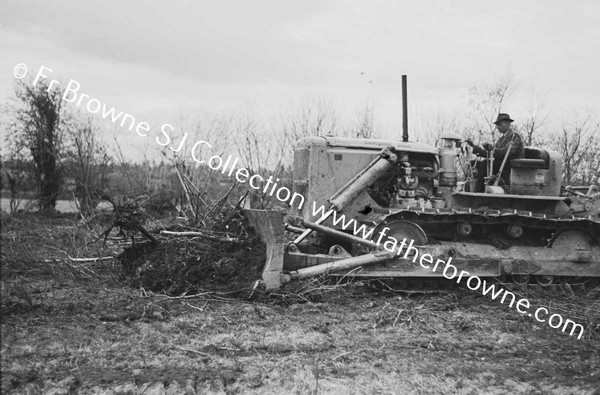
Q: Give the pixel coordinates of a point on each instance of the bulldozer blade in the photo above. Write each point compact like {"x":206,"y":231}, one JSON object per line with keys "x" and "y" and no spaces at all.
{"x":269,"y":225}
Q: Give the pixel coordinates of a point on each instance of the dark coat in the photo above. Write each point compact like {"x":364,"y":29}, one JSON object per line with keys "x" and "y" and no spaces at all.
{"x":516,"y":151}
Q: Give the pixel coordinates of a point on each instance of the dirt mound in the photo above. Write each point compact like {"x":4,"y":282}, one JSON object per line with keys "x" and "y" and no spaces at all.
{"x":228,"y":258}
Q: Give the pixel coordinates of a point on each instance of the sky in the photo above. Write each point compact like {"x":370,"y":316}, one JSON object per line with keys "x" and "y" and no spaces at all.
{"x":160,"y":60}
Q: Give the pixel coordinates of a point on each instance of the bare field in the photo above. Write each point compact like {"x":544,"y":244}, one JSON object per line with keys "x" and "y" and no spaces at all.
{"x":73,"y":327}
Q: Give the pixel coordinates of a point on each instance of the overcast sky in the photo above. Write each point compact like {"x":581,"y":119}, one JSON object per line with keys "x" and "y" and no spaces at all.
{"x":157,"y":61}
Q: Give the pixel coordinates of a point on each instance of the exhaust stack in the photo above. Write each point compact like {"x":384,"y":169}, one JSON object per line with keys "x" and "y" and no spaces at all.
{"x":404,"y":110}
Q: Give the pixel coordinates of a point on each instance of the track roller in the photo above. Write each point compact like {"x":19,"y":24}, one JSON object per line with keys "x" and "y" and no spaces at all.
{"x":514,"y":231}
{"x":544,"y":281}
{"x":521,"y":279}
{"x":464,"y":229}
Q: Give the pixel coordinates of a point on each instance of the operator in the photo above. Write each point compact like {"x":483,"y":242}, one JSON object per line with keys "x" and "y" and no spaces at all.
{"x":517,"y":150}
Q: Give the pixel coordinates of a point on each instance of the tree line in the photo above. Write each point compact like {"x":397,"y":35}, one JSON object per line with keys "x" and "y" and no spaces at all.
{"x":49,"y":143}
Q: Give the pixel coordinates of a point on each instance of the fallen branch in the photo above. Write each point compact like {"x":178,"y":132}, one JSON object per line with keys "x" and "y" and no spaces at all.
{"x":196,"y":307}
{"x":199,"y":234}
{"x":183,"y":296}
{"x":197,"y":190}
{"x":194,"y":351}
{"x":187,"y":194}
{"x":341,"y":355}
{"x":106,"y":258}
{"x":397,"y":316}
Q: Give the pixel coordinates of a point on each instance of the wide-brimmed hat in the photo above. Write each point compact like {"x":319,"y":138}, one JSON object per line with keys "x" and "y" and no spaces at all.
{"x":503,"y":117}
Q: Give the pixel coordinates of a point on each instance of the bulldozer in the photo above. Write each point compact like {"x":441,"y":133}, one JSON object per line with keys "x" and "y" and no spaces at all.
{"x":390,"y":209}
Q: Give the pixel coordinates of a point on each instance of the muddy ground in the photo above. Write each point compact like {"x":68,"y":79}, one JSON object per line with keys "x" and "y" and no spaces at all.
{"x":93,"y":327}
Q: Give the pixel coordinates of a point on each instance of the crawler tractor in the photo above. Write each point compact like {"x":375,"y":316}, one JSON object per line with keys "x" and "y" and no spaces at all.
{"x":438,"y":200}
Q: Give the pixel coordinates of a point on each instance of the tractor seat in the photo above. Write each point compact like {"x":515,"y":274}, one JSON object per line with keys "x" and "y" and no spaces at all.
{"x":535,"y":158}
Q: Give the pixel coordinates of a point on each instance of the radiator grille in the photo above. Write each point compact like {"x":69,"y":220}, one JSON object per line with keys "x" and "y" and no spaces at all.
{"x":301,"y":161}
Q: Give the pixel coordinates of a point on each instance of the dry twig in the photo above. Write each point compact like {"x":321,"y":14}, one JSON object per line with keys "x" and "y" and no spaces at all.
{"x":195,"y":351}
{"x":200,"y":234}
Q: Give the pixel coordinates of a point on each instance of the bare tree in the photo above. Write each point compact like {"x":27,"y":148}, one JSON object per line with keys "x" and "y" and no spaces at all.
{"x":17,"y":174}
{"x":433,"y":126}
{"x":87,"y":162}
{"x":268,"y":150}
{"x":207,"y":184}
{"x":579,"y":144}
{"x":364,"y":124}
{"x":262,"y":153}
{"x":537,"y":110}
{"x":487,"y":100}
{"x":313,"y":117}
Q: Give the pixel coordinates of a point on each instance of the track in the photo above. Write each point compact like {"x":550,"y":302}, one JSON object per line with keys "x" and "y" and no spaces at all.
{"x":538,"y":229}
{"x":562,"y":286}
